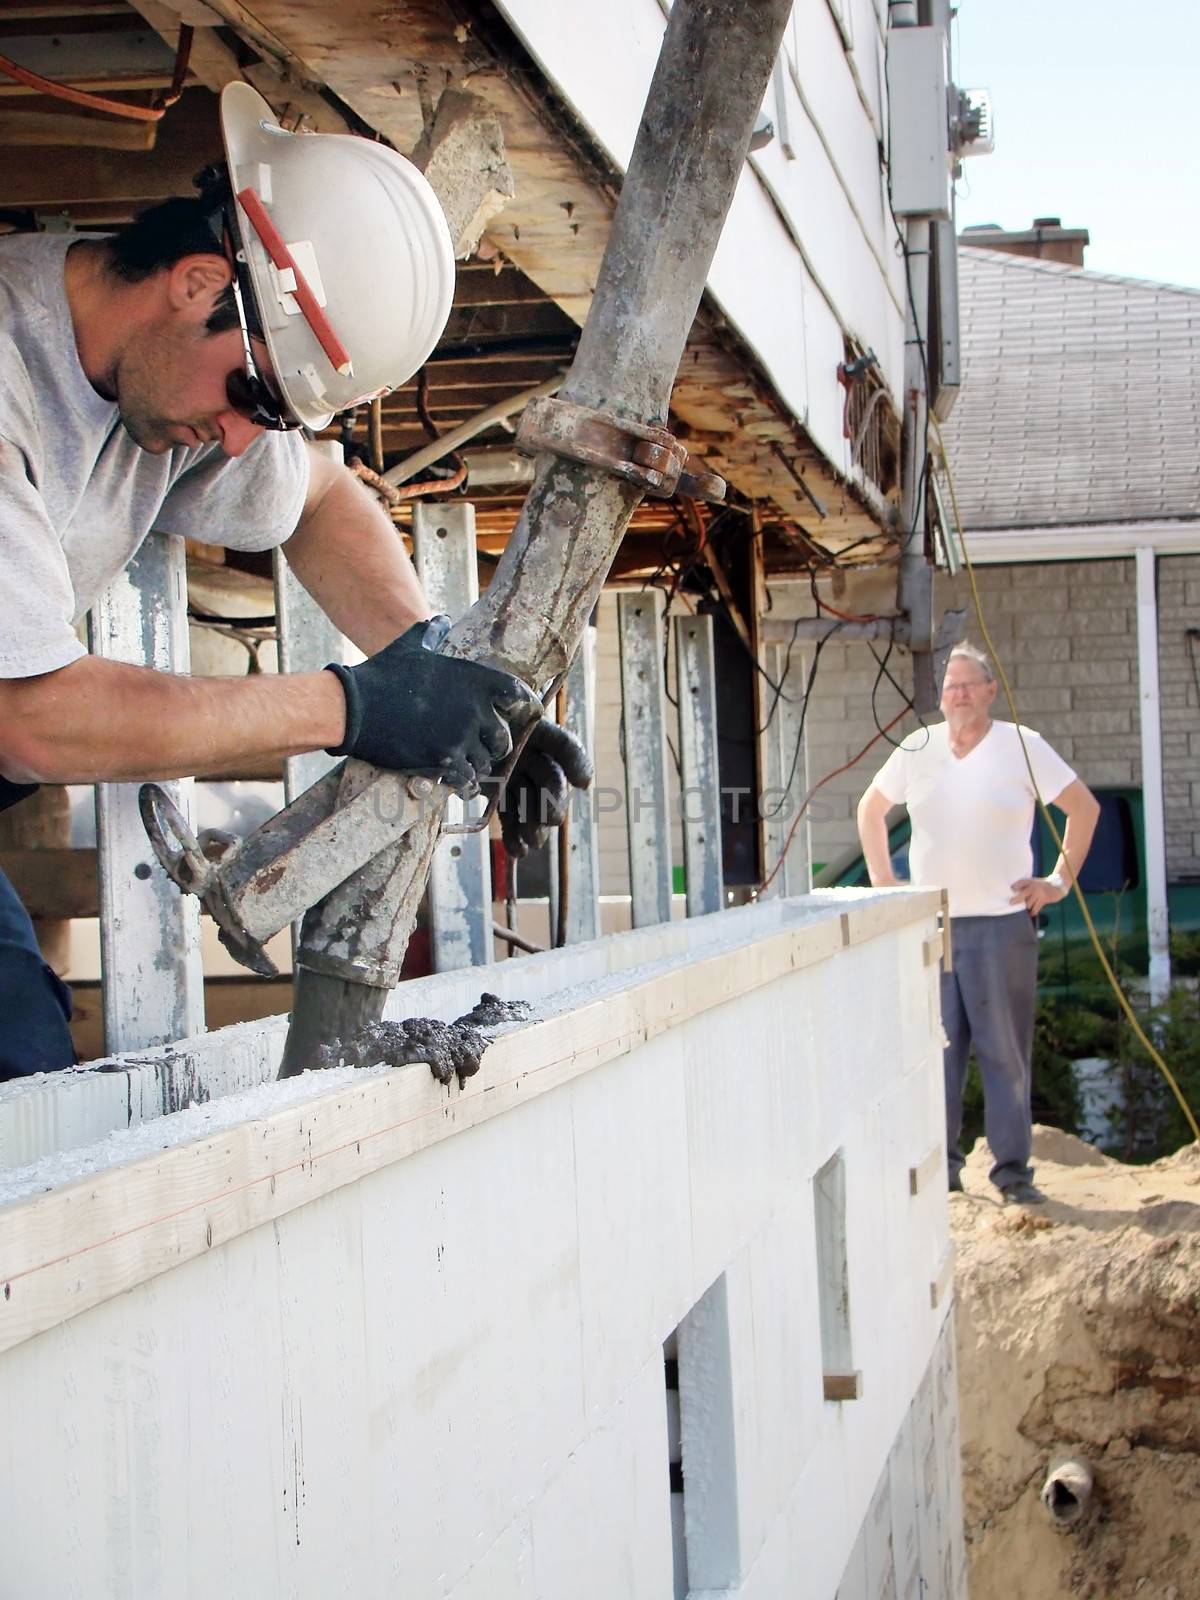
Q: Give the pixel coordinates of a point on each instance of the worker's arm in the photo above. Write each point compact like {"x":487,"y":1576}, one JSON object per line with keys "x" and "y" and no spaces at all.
{"x":873,"y":809}
{"x":1082,"y":811}
{"x":98,"y":719}
{"x":350,"y":558}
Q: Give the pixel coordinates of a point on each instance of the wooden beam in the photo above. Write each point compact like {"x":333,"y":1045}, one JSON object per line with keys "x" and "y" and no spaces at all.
{"x":88,"y":133}
{"x":725,"y":590}
{"x":927,"y":1168}
{"x":486,"y":287}
{"x":943,"y":1282}
{"x":52,"y":10}
{"x":188,"y":139}
{"x":214,"y":64}
{"x":516,"y":319}
{"x":843,"y":1385}
{"x":119,"y":57}
{"x":94,"y":83}
{"x":54,"y":881}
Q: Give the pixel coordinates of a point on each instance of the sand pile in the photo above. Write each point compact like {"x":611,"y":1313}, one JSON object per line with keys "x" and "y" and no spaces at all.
{"x":1079,"y":1334}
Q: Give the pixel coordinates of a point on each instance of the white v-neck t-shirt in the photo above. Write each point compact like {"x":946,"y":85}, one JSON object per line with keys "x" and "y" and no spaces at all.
{"x":972,"y":816}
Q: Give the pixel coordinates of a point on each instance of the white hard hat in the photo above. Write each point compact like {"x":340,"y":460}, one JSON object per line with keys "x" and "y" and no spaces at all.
{"x":348,"y":254}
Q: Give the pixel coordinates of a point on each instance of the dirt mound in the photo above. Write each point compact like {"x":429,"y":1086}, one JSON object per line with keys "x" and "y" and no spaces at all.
{"x":1079,"y":1335}
{"x":1065,"y":1150}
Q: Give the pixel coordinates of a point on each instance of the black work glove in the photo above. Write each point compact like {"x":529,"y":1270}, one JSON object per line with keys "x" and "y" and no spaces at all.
{"x":538,"y":791}
{"x":11,"y":793}
{"x":412,"y":710}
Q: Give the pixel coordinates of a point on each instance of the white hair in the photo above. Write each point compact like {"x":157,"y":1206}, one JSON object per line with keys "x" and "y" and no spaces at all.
{"x":968,"y":652}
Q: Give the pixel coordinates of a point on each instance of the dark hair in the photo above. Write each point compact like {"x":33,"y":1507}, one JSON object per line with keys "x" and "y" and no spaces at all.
{"x":164,"y":234}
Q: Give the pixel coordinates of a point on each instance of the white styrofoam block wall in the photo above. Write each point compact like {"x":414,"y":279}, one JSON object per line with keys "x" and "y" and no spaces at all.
{"x":60,"y":1111}
{"x":446,"y":1379}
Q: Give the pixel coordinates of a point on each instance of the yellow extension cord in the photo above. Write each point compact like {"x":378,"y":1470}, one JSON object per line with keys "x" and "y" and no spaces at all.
{"x":1154,"y":1054}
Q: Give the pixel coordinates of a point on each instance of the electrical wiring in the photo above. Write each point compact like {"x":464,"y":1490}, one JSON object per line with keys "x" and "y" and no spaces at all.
{"x":842,"y":616}
{"x":95,"y":102}
{"x":808,"y":689}
{"x":1105,"y":965}
{"x":705,"y":538}
{"x":778,"y":694}
{"x":820,"y":784}
{"x":884,"y":672}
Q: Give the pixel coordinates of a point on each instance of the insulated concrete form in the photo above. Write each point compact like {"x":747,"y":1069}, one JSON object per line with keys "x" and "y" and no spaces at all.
{"x":358,"y":1334}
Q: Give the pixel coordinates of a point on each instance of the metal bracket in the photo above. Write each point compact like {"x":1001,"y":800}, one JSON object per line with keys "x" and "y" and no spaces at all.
{"x":185,"y":863}
{"x":649,"y":457}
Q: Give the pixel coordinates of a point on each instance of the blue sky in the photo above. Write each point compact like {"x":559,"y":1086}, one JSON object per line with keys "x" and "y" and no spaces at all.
{"x":1096,"y":123}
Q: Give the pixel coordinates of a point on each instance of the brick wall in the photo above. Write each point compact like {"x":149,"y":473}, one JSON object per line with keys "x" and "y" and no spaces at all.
{"x":1178,"y":610}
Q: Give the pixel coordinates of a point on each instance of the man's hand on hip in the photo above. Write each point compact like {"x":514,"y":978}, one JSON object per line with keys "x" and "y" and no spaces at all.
{"x":412,"y":710}
{"x":1035,"y":894}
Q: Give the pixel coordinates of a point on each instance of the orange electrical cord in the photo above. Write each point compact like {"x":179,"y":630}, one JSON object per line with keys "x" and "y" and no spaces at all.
{"x":98,"y":102}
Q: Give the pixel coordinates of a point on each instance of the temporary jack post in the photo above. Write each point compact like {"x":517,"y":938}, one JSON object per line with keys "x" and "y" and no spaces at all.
{"x":712,"y":73}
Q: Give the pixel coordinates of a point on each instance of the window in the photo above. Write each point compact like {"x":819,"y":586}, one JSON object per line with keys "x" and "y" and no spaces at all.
{"x":704,"y":1516}
{"x":841,"y":1380}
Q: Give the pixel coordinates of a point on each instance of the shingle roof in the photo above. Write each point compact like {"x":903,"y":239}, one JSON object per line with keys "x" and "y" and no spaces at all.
{"x":1080,"y":399}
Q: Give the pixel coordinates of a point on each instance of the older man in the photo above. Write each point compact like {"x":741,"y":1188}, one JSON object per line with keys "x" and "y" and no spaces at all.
{"x":970,"y":798}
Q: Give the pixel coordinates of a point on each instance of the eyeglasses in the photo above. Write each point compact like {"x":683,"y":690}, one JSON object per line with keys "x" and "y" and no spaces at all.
{"x":973,"y":683}
{"x":247,"y":390}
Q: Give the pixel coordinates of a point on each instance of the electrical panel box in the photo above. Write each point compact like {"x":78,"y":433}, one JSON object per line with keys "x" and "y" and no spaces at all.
{"x":919,"y":122}
{"x":945,"y":344}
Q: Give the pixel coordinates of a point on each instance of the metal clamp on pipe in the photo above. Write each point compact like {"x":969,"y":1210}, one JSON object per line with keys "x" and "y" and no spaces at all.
{"x":649,"y":457}
{"x":255,"y":887}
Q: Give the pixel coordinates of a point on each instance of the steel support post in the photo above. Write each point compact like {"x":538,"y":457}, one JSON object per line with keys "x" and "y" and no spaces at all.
{"x":308,"y":641}
{"x":1150,"y":728}
{"x":460,"y":877}
{"x":699,"y":777}
{"x":647,"y":800}
{"x":713,"y":70}
{"x":583,"y":860}
{"x":785,"y":778}
{"x":153,"y":982}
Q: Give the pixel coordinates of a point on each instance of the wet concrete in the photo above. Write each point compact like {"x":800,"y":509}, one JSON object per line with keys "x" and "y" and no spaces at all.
{"x":450,"y":1048}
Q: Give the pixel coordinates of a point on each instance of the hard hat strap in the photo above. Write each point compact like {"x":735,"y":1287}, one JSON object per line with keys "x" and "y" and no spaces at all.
{"x":281,"y":256}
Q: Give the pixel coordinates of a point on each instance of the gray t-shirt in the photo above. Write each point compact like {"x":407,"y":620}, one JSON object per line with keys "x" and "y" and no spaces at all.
{"x":78,"y":496}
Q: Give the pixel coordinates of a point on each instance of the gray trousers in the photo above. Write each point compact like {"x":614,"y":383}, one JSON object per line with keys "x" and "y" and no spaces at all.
{"x":988,"y":1001}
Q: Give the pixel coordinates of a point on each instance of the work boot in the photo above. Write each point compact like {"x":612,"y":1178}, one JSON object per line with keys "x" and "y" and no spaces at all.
{"x":1022,"y":1194}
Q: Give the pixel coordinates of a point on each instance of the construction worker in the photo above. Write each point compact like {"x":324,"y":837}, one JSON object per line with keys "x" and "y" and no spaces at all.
{"x":158,"y":379}
{"x":967,"y":786}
